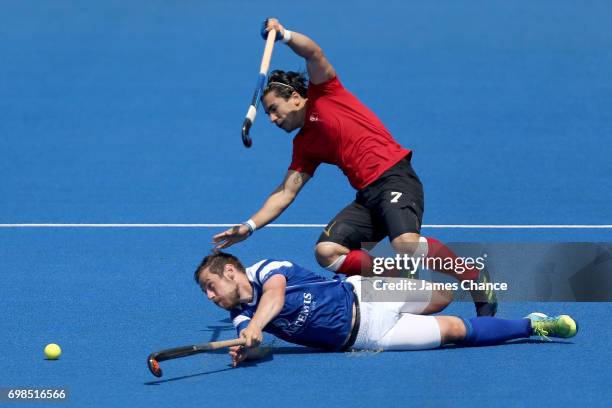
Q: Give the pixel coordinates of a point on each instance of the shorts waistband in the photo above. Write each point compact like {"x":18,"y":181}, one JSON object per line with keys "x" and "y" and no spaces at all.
{"x":351,"y":340}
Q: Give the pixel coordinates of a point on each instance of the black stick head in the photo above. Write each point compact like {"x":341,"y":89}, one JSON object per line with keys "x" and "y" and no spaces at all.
{"x":246,"y":126}
{"x":154,"y":366}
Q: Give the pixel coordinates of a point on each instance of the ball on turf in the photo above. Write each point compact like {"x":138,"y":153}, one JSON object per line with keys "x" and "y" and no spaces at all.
{"x":52,"y":351}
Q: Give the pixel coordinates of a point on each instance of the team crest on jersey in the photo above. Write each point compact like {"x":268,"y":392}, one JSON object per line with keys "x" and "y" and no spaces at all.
{"x":314,"y":117}
{"x":281,"y":324}
{"x":290,"y":328}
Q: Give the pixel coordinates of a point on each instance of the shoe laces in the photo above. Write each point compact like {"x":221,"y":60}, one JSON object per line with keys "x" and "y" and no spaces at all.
{"x":540,"y":327}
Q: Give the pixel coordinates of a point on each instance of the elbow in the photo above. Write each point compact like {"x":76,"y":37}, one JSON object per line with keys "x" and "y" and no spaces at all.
{"x":316,"y":54}
{"x":288,"y":197}
{"x":278,"y":303}
{"x":291,"y":198}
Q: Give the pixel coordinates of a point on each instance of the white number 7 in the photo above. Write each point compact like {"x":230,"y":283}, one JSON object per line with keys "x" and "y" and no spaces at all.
{"x":396,"y":196}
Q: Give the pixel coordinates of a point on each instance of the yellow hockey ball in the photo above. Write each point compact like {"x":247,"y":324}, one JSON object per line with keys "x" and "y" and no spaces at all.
{"x":53,"y":351}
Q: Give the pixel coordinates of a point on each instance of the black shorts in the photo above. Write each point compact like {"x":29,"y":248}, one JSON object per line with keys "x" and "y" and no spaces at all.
{"x":390,"y":206}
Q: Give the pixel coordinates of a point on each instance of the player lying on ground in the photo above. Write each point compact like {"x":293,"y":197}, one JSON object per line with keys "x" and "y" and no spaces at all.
{"x":336,"y":128}
{"x":296,"y":305}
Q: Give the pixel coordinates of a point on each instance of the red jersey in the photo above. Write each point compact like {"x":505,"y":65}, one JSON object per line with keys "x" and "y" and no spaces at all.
{"x":339,"y":129}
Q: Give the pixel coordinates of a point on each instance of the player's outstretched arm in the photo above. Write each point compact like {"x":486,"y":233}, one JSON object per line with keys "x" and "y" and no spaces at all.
{"x":269,"y":306}
{"x":281,"y":198}
{"x":319,"y":68}
{"x":274,"y":206}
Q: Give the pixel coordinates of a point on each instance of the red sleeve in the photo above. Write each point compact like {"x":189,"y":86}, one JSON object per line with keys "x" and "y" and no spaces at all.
{"x":324,"y":88}
{"x":300,"y":162}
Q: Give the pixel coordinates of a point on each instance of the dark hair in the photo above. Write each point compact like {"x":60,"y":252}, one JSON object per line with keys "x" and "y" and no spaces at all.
{"x":215,"y":263}
{"x":296,"y":81}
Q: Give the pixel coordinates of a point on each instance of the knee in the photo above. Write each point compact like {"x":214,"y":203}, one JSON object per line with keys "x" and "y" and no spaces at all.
{"x":328,"y":252}
{"x":452,"y":329}
{"x":440,"y":299}
{"x":410,"y":244}
{"x":458,"y":330}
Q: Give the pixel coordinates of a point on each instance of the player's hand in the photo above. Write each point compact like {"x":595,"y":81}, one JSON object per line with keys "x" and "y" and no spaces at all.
{"x":272,"y":24}
{"x":253,"y":335}
{"x":232,"y":236}
{"x":238,"y":354}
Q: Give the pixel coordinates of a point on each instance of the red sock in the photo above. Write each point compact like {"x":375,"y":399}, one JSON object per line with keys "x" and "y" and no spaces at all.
{"x":436,"y":249}
{"x":357,"y":262}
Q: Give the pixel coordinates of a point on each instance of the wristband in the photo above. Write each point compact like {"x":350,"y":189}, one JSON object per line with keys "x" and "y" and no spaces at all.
{"x":286,"y":36}
{"x":250,"y":225}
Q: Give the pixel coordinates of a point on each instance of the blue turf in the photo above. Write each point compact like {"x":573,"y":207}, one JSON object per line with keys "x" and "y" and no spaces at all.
{"x":109,"y":305}
{"x":130,"y":112}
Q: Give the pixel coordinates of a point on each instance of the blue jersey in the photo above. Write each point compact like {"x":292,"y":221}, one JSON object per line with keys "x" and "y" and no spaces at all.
{"x":317,"y":311}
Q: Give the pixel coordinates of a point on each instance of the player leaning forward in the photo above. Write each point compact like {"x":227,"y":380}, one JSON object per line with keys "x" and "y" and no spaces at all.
{"x":336,"y":128}
{"x":296,"y":305}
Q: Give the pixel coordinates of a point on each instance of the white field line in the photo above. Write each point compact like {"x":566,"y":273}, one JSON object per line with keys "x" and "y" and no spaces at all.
{"x":434,"y":226}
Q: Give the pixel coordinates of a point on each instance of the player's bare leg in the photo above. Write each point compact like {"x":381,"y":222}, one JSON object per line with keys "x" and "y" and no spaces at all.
{"x":452,"y":329}
{"x":328,"y":254}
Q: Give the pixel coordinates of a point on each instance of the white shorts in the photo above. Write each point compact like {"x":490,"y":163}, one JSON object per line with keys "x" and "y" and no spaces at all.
{"x":394,"y":325}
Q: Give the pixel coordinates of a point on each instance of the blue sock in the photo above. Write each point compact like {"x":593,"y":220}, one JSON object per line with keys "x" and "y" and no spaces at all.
{"x":487,"y":331}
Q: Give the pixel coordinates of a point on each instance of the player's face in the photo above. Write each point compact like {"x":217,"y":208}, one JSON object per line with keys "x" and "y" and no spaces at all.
{"x":286,"y":114}
{"x":220,"y":289}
